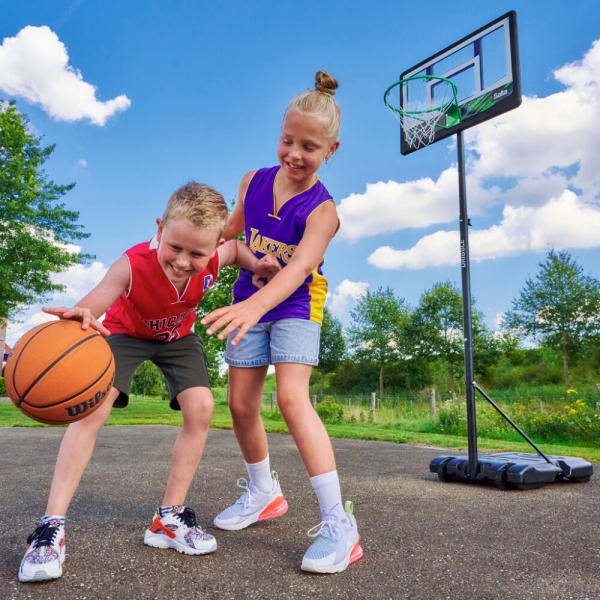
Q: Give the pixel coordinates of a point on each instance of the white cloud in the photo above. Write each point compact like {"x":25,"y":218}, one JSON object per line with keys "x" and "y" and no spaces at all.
{"x":34,"y":65}
{"x":386,"y":207}
{"x":538,"y":161}
{"x":564,"y":222}
{"x":78,"y":279}
{"x":344,"y":292}
{"x":82,"y":162}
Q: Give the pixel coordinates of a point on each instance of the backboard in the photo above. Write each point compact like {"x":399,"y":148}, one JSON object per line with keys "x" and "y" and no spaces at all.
{"x":484,"y":66}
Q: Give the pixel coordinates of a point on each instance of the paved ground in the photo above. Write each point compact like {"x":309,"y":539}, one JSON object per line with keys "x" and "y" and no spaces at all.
{"x":423,"y":539}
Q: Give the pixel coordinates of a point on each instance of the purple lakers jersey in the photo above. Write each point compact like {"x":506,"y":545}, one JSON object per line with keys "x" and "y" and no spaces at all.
{"x":278,"y":233}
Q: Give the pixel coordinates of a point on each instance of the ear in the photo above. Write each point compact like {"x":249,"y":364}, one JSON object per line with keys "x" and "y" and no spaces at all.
{"x":159,"y":222}
{"x":220,"y":242}
{"x":333,"y":148}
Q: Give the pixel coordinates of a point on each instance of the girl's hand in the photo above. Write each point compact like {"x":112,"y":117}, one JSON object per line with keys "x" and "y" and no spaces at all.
{"x":240,"y":315}
{"x":266,"y":268}
{"x":77,"y":313}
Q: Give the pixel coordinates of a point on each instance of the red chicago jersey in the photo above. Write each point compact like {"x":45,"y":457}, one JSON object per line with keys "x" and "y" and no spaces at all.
{"x":152,"y":308}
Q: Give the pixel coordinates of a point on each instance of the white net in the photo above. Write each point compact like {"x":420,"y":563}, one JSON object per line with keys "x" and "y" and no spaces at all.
{"x":426,"y":104}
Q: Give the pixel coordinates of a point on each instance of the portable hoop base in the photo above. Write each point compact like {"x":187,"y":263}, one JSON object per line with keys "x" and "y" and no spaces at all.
{"x":513,"y":470}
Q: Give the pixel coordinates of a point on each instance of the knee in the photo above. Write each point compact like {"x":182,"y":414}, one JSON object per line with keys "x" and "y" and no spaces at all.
{"x":241,"y":413}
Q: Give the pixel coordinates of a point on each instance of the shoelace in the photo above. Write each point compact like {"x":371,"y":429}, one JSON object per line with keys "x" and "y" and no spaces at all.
{"x":328,"y":528}
{"x":246,"y":498}
{"x":43,"y":535}
{"x":188,"y":516}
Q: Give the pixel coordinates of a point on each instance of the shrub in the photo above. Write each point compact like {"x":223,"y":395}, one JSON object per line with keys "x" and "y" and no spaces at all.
{"x":3,"y":392}
{"x":328,"y":410}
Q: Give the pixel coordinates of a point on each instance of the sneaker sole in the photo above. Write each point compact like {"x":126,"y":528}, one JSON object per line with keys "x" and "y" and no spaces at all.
{"x":159,"y":541}
{"x":275,"y":509}
{"x":42,"y":574}
{"x":355,"y":554}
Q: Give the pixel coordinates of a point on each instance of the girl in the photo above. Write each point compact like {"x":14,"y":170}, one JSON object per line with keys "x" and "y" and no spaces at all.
{"x":286,"y":212}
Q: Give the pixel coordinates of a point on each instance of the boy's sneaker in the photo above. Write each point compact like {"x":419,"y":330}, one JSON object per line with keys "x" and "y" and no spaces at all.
{"x":45,"y":552}
{"x":253,"y":506}
{"x":337,"y":544}
{"x":179,"y":530}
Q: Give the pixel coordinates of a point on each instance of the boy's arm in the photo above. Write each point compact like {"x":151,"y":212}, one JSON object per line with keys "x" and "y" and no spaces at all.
{"x":99,"y":300}
{"x":237,"y":253}
{"x":320,"y":228}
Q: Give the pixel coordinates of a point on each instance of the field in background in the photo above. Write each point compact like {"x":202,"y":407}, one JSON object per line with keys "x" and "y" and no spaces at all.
{"x":556,"y":428}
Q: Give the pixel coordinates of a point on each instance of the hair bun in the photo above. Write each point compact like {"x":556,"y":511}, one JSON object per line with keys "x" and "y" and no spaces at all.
{"x":325,"y":83}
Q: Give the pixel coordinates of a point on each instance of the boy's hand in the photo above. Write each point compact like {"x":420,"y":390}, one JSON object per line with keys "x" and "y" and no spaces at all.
{"x":266,"y":268}
{"x":240,"y":315}
{"x":76,"y":313}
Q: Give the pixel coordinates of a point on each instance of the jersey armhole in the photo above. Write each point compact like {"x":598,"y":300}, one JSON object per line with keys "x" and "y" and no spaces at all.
{"x":316,"y":207}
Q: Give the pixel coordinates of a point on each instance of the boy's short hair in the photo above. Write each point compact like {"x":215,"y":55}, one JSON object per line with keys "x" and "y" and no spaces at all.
{"x":199,"y":204}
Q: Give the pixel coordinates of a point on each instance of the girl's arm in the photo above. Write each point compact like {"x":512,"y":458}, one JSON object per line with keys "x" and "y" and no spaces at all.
{"x":235,"y":223}
{"x":320,"y":228}
{"x":99,"y":300}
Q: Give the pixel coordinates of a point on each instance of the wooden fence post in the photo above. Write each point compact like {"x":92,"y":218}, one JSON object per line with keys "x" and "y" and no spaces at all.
{"x":314,"y":399}
{"x":273,"y":399}
{"x":432,"y":402}
{"x":373,"y":397}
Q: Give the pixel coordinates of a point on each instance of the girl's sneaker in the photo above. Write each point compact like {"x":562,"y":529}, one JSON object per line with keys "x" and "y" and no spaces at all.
{"x":337,"y":544}
{"x":253,"y":506}
{"x":45,"y":552}
{"x":179,"y":530}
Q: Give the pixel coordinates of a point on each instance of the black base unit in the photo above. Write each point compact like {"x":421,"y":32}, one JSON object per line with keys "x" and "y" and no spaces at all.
{"x":513,"y":470}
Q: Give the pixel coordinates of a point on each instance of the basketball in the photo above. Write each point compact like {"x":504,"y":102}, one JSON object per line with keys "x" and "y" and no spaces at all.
{"x":59,"y":373}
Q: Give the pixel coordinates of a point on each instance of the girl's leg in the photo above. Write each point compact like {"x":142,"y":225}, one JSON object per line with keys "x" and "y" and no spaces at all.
{"x":197,"y":407}
{"x":304,"y":424}
{"x":245,"y":401}
{"x":74,"y":455}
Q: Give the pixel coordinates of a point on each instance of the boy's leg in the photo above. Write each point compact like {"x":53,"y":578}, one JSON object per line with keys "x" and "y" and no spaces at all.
{"x":245,"y":401}
{"x":197,"y":407}
{"x":74,"y":455}
{"x":175,"y":525}
{"x":45,"y":553}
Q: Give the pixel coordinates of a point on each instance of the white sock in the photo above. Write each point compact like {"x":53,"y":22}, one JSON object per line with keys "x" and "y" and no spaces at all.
{"x":329,"y":494}
{"x":260,"y":475}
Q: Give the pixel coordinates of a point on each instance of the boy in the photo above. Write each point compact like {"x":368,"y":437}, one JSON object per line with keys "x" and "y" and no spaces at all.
{"x":149,"y":296}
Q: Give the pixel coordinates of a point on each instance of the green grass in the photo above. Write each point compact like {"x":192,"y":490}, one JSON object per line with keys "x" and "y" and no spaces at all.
{"x":153,"y":411}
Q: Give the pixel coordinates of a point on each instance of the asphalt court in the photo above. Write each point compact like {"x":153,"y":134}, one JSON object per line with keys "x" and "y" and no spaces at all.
{"x":422,"y":539}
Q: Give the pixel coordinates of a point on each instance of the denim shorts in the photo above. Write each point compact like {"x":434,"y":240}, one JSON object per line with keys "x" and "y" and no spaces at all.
{"x":283,"y":340}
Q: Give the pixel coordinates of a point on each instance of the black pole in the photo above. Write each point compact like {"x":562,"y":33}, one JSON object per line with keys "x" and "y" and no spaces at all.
{"x":466,"y":302}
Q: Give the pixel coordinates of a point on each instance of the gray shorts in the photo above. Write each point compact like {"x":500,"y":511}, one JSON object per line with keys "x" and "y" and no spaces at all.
{"x":182,"y":362}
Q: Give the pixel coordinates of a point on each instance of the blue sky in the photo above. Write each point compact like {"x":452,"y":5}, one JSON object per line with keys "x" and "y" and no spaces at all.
{"x":196,"y":91}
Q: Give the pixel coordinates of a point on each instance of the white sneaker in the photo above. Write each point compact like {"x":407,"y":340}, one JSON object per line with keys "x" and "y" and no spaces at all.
{"x":45,"y":552}
{"x":337,"y":544}
{"x":253,"y":506}
{"x":179,"y":530}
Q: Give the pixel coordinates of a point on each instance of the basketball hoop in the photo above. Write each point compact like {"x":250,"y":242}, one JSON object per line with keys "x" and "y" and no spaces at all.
{"x":417,"y":116}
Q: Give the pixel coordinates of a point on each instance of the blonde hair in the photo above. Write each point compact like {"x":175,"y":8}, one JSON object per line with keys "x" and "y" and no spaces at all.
{"x":321,"y":104}
{"x":199,"y":204}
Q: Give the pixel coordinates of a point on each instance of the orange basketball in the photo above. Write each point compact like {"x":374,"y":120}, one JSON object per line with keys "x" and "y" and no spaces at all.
{"x":58,"y":373}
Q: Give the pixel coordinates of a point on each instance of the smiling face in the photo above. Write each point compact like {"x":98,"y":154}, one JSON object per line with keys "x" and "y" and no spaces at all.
{"x":184,"y":250}
{"x":303,"y":146}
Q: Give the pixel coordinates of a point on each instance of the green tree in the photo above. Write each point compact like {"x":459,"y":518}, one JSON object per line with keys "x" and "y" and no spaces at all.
{"x":332,"y":349}
{"x":377,"y":331}
{"x":219,"y":295}
{"x":560,"y":307}
{"x":148,"y":380}
{"x":437,"y":332}
{"x":34,"y":228}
